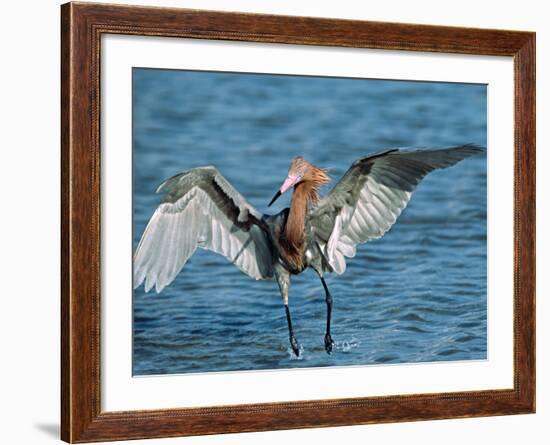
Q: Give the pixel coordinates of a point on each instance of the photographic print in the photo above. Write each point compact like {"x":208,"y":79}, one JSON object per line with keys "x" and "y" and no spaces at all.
{"x":284,"y":221}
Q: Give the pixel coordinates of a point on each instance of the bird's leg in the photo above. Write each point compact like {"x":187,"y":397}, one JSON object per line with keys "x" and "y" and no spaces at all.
{"x":293,"y":342}
{"x":283,"y":279}
{"x":328,"y":298}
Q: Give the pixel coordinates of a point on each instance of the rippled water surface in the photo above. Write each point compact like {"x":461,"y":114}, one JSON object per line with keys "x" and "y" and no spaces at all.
{"x":416,"y":295}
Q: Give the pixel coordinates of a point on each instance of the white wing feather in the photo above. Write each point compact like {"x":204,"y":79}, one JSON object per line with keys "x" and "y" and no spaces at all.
{"x":369,"y":198}
{"x":200,"y":218}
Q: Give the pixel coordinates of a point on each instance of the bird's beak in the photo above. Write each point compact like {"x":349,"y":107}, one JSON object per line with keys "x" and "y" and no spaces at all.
{"x":275,"y":198}
{"x":289,"y":182}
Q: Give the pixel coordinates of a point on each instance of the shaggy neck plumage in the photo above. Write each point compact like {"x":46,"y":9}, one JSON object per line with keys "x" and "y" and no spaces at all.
{"x":305,"y":192}
{"x":295,"y":224}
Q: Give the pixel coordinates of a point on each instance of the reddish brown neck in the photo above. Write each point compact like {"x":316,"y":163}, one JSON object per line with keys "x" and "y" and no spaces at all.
{"x":304,"y":193}
{"x":295,"y":224}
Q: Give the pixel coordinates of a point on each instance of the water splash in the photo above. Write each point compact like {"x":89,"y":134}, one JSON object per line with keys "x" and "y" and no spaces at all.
{"x":347,"y":345}
{"x":292,"y":356}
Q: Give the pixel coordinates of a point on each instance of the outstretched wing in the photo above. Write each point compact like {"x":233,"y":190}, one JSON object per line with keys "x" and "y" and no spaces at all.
{"x":201,"y":209}
{"x":366,"y":202}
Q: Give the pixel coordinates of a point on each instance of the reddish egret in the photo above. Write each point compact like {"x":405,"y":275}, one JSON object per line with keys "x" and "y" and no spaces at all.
{"x":202,"y":209}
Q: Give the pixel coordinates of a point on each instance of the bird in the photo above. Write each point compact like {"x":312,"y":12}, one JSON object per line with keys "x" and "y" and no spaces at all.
{"x":201,"y":209}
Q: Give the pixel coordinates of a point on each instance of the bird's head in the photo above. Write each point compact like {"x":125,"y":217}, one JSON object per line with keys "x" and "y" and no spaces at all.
{"x":301,"y":171}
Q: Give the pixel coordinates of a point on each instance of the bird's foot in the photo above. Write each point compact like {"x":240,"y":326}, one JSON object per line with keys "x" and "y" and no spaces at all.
{"x":295,"y":345}
{"x":328,"y":343}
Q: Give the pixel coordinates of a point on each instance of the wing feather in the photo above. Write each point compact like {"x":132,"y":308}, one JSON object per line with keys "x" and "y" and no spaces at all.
{"x":369,"y":198}
{"x":201,"y":209}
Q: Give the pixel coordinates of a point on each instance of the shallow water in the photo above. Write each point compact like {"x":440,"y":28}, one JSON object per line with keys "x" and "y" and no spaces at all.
{"x":416,"y":295}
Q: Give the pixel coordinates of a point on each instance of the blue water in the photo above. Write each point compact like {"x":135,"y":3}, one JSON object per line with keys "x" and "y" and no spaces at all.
{"x":416,"y":295}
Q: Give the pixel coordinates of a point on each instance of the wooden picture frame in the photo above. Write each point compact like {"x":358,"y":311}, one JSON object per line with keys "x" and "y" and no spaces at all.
{"x":82,"y":25}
